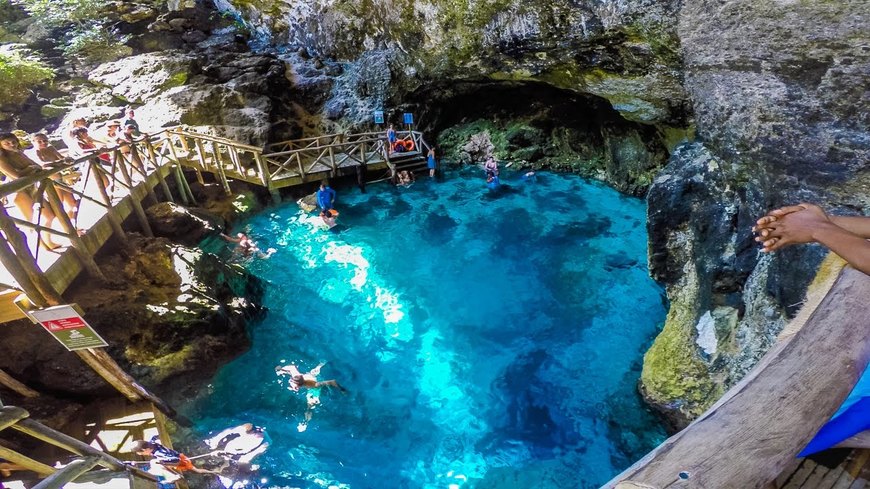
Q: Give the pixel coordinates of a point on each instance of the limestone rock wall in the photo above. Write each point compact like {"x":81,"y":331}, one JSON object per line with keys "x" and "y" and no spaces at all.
{"x":779,"y":94}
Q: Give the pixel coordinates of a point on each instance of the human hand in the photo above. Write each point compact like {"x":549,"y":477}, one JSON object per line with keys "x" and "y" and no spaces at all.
{"x":790,"y":225}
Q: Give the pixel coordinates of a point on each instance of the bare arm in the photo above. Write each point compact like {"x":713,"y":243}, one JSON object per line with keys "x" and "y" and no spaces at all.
{"x":810,"y":224}
{"x":858,"y":225}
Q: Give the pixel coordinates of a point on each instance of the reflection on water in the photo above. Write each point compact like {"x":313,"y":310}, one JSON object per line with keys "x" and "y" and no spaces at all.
{"x":485,"y":340}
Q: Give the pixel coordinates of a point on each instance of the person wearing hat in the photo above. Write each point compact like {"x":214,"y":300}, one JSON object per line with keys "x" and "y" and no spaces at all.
{"x":108,"y":135}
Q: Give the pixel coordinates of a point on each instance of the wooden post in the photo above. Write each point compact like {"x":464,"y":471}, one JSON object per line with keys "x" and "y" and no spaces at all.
{"x":25,"y":258}
{"x":261,"y":167}
{"x":11,"y":263}
{"x":68,"y":474}
{"x":180,"y":184}
{"x":332,"y":161}
{"x":153,"y":155}
{"x":135,"y":193}
{"x":10,"y":382}
{"x":220,"y":167}
{"x":25,"y":461}
{"x":109,"y":372}
{"x":110,"y":365}
{"x":83,"y":254}
{"x":114,"y":220}
{"x":186,"y":186}
{"x":299,"y":162}
{"x":362,"y":153}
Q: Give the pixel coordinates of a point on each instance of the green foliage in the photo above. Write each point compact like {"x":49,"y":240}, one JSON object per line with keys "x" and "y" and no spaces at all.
{"x":87,"y":39}
{"x":58,"y":13}
{"x":95,"y":45}
{"x":20,"y":72}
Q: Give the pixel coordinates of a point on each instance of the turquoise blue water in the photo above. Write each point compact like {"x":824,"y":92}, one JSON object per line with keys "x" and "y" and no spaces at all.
{"x":485,"y":339}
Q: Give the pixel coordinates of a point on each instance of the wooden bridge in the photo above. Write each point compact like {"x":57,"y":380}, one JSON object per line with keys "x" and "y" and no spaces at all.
{"x":112,"y":190}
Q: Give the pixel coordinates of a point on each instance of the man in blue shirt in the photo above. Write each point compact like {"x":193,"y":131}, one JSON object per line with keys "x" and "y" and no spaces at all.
{"x":325,"y":196}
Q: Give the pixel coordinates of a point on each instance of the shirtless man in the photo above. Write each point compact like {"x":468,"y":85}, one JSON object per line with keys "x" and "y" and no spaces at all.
{"x":307,"y":380}
{"x":807,"y":223}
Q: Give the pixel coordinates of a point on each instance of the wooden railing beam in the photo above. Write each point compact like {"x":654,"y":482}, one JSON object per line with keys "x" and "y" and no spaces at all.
{"x":68,"y":474}
{"x":26,"y":462}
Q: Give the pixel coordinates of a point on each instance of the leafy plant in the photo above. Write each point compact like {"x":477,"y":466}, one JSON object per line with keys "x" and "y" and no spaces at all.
{"x":95,"y":45}
{"x":20,"y":72}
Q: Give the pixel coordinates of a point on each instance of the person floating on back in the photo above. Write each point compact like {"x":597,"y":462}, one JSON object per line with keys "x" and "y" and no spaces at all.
{"x":325,"y":196}
{"x":241,"y":443}
{"x":807,"y":223}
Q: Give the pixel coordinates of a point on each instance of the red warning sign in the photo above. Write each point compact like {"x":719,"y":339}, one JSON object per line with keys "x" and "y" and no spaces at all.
{"x":64,"y":323}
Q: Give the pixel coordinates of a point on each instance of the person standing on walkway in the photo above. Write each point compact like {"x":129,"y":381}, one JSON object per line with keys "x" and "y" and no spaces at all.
{"x":430,"y":162}
{"x":15,"y":165}
{"x":325,"y":196}
{"x":391,"y":138}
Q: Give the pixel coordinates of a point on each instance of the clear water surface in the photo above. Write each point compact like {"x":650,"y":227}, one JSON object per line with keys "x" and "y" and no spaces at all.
{"x":489,"y":340}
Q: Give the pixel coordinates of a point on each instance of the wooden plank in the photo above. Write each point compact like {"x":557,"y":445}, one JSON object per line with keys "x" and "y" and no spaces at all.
{"x":13,"y":384}
{"x":814,"y":481}
{"x":25,"y":461}
{"x":9,"y":415}
{"x":748,"y":439}
{"x":800,"y":476}
{"x":68,"y":474}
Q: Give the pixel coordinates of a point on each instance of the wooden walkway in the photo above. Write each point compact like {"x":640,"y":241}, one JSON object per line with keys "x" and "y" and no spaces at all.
{"x":108,"y":196}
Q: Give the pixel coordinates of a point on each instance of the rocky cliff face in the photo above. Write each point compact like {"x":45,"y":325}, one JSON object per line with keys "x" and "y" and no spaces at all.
{"x":464,"y":65}
{"x":780,"y":119}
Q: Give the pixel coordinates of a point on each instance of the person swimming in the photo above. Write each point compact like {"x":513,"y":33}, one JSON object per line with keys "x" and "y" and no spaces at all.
{"x":307,"y":380}
{"x":247,"y":246}
{"x":328,"y":217}
{"x":241,"y":443}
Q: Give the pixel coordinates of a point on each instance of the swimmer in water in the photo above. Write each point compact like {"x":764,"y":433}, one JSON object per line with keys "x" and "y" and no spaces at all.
{"x":241,"y":443}
{"x":307,"y":380}
{"x":247,"y":246}
{"x":328,"y":218}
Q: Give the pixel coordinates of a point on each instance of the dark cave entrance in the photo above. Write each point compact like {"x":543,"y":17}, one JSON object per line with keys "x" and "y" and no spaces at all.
{"x":535,"y":125}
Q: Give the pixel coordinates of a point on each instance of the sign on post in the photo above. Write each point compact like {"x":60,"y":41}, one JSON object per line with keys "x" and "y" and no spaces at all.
{"x":68,"y":327}
{"x":379,"y":117}
{"x":409,"y":118}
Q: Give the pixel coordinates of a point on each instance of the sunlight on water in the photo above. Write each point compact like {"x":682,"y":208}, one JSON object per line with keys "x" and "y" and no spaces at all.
{"x":488,"y":340}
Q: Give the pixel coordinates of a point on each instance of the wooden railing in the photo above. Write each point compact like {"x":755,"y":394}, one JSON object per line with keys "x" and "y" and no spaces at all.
{"x":85,"y":456}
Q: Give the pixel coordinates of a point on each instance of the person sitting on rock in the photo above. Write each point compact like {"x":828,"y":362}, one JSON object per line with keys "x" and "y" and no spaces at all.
{"x":807,"y":223}
{"x":169,"y":458}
